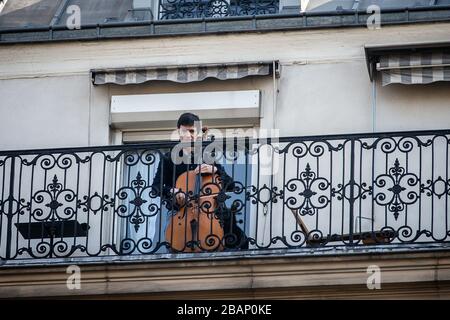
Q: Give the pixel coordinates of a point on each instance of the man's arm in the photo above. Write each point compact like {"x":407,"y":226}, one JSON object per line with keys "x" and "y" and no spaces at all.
{"x":163,"y":184}
{"x":227,"y":181}
{"x":160,"y":181}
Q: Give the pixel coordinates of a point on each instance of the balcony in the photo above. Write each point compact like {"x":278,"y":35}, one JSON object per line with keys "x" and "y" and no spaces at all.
{"x":303,"y":195}
{"x":175,"y":9}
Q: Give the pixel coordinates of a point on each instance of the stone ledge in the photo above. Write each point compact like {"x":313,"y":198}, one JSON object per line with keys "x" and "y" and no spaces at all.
{"x":259,"y":23}
{"x":427,"y":290}
{"x":250,"y":277}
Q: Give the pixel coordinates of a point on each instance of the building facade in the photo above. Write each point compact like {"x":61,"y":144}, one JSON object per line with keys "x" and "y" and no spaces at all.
{"x":353,"y":182}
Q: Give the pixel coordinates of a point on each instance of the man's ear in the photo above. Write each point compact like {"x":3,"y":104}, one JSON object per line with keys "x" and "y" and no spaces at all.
{"x":175,"y":135}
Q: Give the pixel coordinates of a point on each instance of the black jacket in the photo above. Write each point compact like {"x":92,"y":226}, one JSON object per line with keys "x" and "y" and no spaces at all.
{"x":165,"y":179}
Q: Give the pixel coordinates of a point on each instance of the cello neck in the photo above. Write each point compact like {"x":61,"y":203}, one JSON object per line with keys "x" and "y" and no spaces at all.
{"x":197,"y":185}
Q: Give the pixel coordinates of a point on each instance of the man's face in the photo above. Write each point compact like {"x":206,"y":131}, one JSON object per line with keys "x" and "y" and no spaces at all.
{"x":188,"y":133}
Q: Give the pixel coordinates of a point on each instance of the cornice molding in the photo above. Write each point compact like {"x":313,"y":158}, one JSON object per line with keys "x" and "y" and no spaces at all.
{"x":429,"y":273}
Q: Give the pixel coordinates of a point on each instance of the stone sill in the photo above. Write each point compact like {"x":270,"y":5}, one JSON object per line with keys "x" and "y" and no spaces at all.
{"x":420,"y":273}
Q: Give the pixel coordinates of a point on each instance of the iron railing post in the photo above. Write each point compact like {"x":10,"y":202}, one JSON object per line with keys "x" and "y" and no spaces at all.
{"x":10,"y":213}
{"x":352,"y":189}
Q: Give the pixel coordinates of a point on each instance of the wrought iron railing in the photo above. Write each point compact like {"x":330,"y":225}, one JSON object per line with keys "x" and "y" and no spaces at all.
{"x":183,"y":9}
{"x":346,"y":191}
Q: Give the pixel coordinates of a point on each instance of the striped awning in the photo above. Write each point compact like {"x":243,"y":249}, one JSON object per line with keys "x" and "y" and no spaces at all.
{"x":421,"y":68}
{"x":184,"y":74}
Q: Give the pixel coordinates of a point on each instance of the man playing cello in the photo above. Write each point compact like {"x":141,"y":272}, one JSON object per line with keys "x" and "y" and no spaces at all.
{"x":179,"y":204}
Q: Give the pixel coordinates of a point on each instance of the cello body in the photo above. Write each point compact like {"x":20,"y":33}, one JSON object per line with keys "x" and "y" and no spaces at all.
{"x":196,"y":227}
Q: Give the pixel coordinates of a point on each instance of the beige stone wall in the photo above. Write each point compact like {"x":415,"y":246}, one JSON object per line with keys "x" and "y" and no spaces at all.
{"x":47,"y":99}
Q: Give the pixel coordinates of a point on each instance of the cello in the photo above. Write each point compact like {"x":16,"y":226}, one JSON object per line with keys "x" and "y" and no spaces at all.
{"x":195,"y":227}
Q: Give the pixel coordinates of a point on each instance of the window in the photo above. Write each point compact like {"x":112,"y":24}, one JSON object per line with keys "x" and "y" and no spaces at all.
{"x":226,"y":113}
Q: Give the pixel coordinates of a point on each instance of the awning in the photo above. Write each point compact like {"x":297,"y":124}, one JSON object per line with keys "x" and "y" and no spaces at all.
{"x":409,"y":63}
{"x":421,"y":68}
{"x":184,"y":74}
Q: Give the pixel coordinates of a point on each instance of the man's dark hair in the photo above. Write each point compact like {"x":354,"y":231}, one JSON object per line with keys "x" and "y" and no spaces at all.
{"x":187,"y":119}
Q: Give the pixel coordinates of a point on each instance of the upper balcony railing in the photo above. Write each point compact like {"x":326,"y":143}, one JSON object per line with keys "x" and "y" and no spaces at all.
{"x":387,"y":190}
{"x":187,"y":9}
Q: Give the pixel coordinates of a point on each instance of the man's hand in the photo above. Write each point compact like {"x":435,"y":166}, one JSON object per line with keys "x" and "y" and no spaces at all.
{"x":205,"y":168}
{"x":179,"y":196}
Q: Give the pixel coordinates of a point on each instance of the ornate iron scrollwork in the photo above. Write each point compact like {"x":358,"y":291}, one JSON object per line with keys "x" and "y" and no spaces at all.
{"x":186,"y":9}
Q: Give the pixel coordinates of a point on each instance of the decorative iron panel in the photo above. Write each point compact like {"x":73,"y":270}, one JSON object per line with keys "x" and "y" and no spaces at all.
{"x":387,"y":189}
